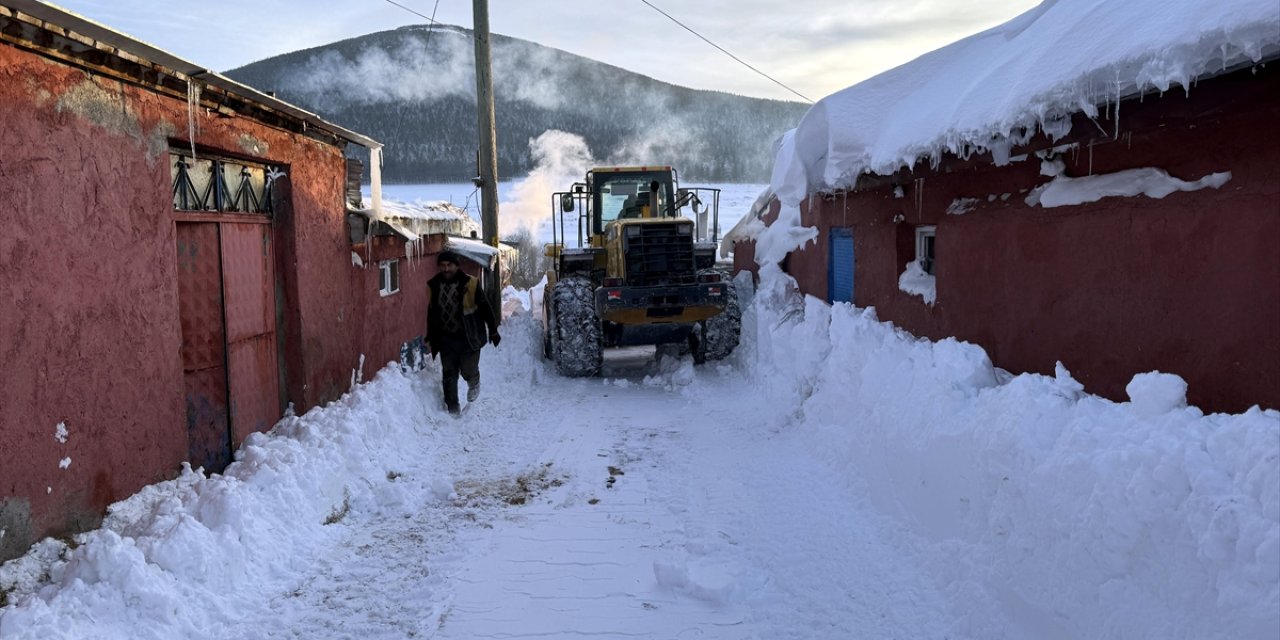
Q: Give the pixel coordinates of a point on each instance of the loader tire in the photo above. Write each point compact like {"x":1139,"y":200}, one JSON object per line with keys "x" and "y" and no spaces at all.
{"x":719,"y":335}
{"x":546,"y":323}
{"x":576,"y":345}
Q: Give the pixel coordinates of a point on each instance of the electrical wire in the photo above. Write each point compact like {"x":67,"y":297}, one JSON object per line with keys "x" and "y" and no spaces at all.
{"x":722,"y":50}
{"x":431,"y":27}
{"x":432,"y":17}
{"x":432,"y":20}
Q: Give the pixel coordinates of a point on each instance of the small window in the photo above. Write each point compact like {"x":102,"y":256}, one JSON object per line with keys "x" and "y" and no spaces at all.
{"x":388,"y":277}
{"x":924,"y":248}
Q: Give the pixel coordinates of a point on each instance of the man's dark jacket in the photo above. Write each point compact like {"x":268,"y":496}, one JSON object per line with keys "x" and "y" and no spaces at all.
{"x":478,"y":319}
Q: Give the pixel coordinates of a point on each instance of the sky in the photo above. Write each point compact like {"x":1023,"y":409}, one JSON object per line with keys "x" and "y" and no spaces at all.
{"x":815,"y":47}
{"x":832,"y":478}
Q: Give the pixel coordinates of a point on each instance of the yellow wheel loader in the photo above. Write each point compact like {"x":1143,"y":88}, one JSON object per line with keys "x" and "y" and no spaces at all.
{"x":640,"y":271}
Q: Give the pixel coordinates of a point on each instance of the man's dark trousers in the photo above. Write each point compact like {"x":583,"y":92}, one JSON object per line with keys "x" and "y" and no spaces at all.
{"x":467,"y":363}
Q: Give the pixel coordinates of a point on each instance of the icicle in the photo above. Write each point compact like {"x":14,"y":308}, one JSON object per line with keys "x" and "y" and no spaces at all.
{"x":193,"y":103}
{"x":375,"y":179}
{"x":1115,"y":135}
{"x":375,"y":188}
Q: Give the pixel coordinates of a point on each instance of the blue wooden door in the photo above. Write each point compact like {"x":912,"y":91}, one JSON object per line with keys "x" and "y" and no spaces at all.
{"x":840,"y":266}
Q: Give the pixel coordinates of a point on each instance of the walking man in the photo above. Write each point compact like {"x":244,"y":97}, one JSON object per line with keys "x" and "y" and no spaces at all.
{"x":459,"y":322}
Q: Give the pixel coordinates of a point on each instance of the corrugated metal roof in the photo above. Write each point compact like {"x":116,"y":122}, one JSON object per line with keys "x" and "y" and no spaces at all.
{"x":58,"y":17}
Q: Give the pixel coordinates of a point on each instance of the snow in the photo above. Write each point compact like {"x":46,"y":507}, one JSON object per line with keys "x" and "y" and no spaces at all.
{"x":422,"y":217}
{"x":748,"y":226}
{"x":835,"y":477}
{"x":996,"y":88}
{"x":1154,"y":394}
{"x":474,"y":250}
{"x":916,"y":282}
{"x":993,"y":88}
{"x":1149,"y":181}
{"x":961,"y":206}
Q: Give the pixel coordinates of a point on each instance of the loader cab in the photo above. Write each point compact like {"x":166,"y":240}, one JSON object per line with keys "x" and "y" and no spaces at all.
{"x":630,"y":193}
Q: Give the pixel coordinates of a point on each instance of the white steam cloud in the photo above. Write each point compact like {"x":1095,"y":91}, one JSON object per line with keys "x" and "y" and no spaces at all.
{"x":560,"y":160}
{"x":408,"y":73}
{"x":415,"y":71}
{"x":669,"y":140}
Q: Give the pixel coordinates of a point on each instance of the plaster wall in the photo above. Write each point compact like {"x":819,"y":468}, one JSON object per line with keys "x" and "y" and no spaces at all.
{"x":89,"y":329}
{"x":1187,"y":284}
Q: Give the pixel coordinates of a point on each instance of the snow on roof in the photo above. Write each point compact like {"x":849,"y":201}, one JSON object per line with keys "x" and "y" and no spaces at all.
{"x":750,"y":225}
{"x":477,"y":251}
{"x":115,"y":42}
{"x":986,"y":91}
{"x":423,"y":217}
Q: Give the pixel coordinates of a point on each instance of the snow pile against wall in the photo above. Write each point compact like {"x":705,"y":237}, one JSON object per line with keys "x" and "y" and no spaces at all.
{"x":185,"y":558}
{"x":201,"y":538}
{"x":999,"y":87}
{"x":916,"y":282}
{"x":1086,"y":518}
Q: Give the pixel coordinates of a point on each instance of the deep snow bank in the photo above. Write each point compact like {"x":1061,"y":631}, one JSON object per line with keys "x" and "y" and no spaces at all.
{"x":186,"y":558}
{"x":200,"y":539}
{"x":1086,"y":518}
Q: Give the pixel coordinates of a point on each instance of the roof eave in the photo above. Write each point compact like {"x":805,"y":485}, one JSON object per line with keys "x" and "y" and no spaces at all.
{"x":64,"y":20}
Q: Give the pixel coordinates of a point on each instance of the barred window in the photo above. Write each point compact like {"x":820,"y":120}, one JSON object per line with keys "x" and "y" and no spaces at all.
{"x":210,"y":183}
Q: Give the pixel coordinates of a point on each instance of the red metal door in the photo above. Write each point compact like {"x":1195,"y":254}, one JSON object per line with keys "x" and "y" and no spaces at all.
{"x":248,"y":278}
{"x":204,"y":370}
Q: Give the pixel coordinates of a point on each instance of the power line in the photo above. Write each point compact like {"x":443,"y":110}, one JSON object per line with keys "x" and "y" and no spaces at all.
{"x":432,"y":20}
{"x":432,"y":17}
{"x":722,"y":49}
{"x":431,"y":27}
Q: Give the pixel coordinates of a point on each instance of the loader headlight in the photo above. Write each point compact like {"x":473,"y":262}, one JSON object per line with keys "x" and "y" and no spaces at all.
{"x":633,"y":231}
{"x":685,"y":229}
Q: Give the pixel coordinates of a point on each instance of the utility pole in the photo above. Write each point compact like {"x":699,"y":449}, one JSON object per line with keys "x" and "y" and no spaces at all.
{"x":488,"y":178}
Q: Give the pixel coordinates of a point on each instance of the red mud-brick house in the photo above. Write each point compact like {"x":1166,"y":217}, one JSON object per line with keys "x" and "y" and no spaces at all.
{"x":151,"y":315}
{"x":1091,"y":183}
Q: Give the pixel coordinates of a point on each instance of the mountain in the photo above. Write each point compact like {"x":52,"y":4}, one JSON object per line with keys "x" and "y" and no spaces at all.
{"x":413,"y":89}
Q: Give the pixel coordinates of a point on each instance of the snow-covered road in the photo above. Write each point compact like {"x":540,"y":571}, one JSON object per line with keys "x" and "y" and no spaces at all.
{"x":835,"y":478}
{"x":582,"y":508}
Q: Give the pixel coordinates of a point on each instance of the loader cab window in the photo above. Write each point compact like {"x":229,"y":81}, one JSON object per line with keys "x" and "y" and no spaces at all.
{"x":622,"y":196}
